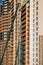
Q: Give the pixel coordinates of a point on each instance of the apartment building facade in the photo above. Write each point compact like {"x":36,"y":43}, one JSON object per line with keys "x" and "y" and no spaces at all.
{"x":29,"y":33}
{"x":17,"y":32}
{"x":25,"y":26}
{"x":25,"y":31}
{"x":34,"y":43}
{"x":6,"y":14}
{"x":10,"y":57}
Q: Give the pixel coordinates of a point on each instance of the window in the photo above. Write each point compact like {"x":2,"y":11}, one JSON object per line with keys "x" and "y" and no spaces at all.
{"x":33,"y":20}
{"x":36,"y":54}
{"x":36,"y":33}
{"x":33,"y":5}
{"x":33,"y":59}
{"x":33,"y":55}
{"x":0,"y":47}
{"x":33,"y":1}
{"x":33,"y":25}
{"x":33,"y":34}
{"x":33,"y":44}
{"x":36,"y":18}
{"x":33,"y":10}
{"x":36,"y":64}
{"x":36,"y":49}
{"x":33,"y":30}
{"x":33,"y":15}
{"x":0,"y":58}
{"x":33,"y":49}
{"x":36,"y":30}
{"x":36,"y":13}
{"x":36,"y":44}
{"x":36,"y":8}
{"x":36,"y":23}
{"x":36,"y":59}
{"x":1,"y":36}
{"x":33,"y":39}
{"x":33,"y":63}
{"x":37,"y":3}
{"x":36,"y":39}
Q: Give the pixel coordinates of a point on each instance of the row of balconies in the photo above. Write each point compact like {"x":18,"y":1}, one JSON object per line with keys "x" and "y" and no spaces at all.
{"x":23,"y":22}
{"x":23,"y":38}
{"x":23,"y":26}
{"x":23,"y":17}
{"x":24,"y":13}
{"x":23,"y":8}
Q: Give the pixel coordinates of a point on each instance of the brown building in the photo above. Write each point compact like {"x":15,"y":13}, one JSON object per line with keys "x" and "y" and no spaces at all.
{"x":6,"y":14}
{"x":17,"y":30}
{"x":40,"y":49}
{"x":25,"y":28}
{"x":23,"y":32}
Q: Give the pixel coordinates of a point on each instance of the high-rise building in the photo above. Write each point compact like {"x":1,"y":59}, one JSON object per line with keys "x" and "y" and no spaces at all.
{"x":6,"y":14}
{"x":29,"y":32}
{"x":40,"y":49}
{"x":17,"y":29}
{"x":34,"y":43}
{"x":7,"y":11}
{"x":24,"y":33}
{"x":25,"y":27}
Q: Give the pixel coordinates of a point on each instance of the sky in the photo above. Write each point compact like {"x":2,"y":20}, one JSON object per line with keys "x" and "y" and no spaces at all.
{"x":40,"y":17}
{"x":0,"y":1}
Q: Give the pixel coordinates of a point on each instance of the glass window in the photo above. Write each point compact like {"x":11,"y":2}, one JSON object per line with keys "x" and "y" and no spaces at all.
{"x":36,"y":64}
{"x":33,"y":5}
{"x":33,"y":10}
{"x":36,"y":33}
{"x":36,"y":13}
{"x":37,"y":3}
{"x":36,"y":8}
{"x":33,"y":49}
{"x":33,"y":39}
{"x":36,"y":18}
{"x":33,"y":63}
{"x":36,"y":30}
{"x":33,"y":15}
{"x":33,"y":30}
{"x":36,"y":49}
{"x":33,"y":59}
{"x":1,"y":36}
{"x":33,"y":34}
{"x":33,"y":25}
{"x":33,"y":1}
{"x":36,"y":59}
{"x":33,"y":20}
{"x":36,"y":39}
{"x":33,"y":44}
{"x":36,"y":44}
{"x":36,"y":54}
{"x":36,"y":23}
{"x":33,"y":54}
